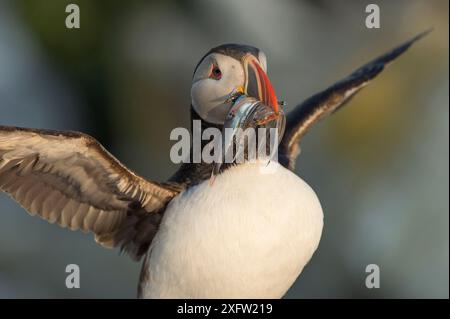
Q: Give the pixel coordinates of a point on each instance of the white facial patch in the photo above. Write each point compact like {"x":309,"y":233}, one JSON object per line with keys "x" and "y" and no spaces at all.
{"x":209,"y":95}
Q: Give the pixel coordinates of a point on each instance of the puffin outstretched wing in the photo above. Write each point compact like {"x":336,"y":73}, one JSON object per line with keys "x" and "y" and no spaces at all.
{"x":326,"y":102}
{"x":68,"y":178}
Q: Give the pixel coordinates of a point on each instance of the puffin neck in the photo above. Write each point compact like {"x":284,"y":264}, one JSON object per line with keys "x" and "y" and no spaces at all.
{"x":204,"y":125}
{"x":194,"y":173}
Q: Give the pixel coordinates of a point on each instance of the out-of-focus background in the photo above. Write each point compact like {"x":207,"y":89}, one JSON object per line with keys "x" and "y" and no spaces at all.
{"x":379,"y":166}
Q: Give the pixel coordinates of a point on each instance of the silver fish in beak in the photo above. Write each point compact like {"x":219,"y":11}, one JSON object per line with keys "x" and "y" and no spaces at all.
{"x":250,"y":113}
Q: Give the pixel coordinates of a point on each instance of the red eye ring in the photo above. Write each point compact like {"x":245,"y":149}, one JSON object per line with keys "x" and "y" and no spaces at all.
{"x":215,"y":74}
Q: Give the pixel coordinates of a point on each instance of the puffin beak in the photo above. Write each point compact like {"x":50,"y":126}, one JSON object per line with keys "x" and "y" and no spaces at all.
{"x":257,"y":83}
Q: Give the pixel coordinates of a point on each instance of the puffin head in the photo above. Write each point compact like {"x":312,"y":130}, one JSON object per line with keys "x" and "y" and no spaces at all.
{"x":227,"y":71}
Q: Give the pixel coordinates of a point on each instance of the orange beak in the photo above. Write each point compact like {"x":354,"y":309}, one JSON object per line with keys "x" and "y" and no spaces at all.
{"x":257,"y":83}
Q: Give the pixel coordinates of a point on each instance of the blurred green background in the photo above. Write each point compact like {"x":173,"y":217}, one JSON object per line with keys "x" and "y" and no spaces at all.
{"x":379,"y":166}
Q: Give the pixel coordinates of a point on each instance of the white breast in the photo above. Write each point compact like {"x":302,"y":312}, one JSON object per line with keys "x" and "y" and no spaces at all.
{"x":248,"y":235}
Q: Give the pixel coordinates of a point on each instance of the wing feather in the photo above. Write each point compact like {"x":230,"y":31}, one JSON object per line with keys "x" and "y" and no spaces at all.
{"x":68,"y":178}
{"x":324,"y":103}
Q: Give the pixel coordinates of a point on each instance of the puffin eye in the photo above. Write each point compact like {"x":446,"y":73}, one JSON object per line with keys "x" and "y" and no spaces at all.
{"x":216,"y":74}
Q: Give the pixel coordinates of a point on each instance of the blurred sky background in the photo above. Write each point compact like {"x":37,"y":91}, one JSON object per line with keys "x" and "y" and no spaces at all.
{"x":379,"y":166}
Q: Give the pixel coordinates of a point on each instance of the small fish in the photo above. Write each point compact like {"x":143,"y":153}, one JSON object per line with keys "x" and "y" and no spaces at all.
{"x":246,"y":112}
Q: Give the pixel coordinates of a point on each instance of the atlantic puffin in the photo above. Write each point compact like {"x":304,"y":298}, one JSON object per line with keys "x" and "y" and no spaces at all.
{"x":247,"y":235}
